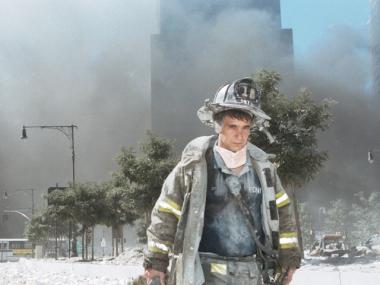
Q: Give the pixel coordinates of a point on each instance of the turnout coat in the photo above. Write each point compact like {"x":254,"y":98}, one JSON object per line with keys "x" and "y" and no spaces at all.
{"x":178,"y":215}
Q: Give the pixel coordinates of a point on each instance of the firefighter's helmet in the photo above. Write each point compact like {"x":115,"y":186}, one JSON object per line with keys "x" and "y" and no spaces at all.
{"x":241,"y":94}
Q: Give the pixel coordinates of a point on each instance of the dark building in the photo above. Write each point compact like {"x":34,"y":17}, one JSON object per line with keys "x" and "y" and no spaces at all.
{"x":203,"y":44}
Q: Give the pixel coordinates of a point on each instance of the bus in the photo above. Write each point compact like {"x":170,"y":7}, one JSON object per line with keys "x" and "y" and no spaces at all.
{"x":12,"y":249}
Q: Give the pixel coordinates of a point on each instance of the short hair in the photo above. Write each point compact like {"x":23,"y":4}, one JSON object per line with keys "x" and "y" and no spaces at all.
{"x":233,"y":113}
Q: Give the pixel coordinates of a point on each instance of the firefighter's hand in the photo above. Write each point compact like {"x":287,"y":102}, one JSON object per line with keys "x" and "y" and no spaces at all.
{"x":289,"y":276}
{"x":150,"y":274}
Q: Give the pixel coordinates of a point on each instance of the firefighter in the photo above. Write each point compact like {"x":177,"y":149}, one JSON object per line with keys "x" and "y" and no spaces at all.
{"x":223,"y":216}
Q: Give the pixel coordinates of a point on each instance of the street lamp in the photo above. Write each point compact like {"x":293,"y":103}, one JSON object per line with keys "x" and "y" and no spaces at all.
{"x":17,"y":212}
{"x":6,"y":196}
{"x":68,"y":131}
{"x":15,"y":192}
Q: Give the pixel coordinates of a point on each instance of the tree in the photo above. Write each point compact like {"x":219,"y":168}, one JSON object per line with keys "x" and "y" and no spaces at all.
{"x":143,"y":176}
{"x":37,"y":230}
{"x":306,"y":223}
{"x":53,"y":222}
{"x":365,"y":216}
{"x":45,"y":226}
{"x":88,"y":204}
{"x":89,"y":208}
{"x":61,"y":203}
{"x":119,"y":212}
{"x":295,"y":124}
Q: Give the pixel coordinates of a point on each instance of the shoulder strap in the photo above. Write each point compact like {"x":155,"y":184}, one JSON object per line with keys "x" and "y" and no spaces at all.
{"x":251,"y":224}
{"x":210,"y":167}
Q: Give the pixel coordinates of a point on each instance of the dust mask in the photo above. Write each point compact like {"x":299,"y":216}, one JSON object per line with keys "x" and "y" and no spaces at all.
{"x":233,"y":159}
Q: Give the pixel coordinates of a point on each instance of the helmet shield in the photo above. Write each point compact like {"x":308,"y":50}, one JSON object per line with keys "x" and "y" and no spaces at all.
{"x":242,"y":92}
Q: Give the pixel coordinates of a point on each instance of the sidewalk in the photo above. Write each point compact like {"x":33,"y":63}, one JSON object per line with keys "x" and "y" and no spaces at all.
{"x":312,"y":277}
{"x":126,"y":272}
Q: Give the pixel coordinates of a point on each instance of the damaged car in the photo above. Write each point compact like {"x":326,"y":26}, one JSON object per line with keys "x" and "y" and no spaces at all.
{"x":330,"y":245}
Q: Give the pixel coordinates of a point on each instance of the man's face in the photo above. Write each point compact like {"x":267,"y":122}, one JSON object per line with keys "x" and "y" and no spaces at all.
{"x":234,"y":134}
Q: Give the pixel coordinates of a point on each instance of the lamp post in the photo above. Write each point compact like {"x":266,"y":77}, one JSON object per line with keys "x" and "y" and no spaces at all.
{"x":6,"y":196}
{"x":15,"y":192}
{"x":68,"y":131}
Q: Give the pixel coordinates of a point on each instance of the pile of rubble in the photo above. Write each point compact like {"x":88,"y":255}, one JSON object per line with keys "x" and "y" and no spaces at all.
{"x":130,"y":256}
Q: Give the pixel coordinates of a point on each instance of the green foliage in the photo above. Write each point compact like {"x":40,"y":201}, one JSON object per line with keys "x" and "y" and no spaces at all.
{"x":37,"y":230}
{"x":62,"y":203}
{"x":294,"y":125}
{"x":119,"y":206}
{"x":156,"y":148}
{"x":54,"y":219}
{"x":142,"y":177}
{"x":89,"y":205}
{"x":133,"y":192}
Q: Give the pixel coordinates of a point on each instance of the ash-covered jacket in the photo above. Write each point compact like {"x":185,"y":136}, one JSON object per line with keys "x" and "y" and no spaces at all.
{"x":178,"y":215}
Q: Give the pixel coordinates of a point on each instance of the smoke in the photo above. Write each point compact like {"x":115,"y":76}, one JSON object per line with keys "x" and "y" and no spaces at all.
{"x":201,"y":47}
{"x":70,"y":62}
{"x":338,"y":68}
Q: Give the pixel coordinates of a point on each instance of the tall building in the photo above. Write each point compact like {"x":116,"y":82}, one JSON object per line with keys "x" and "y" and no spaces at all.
{"x":203,"y":44}
{"x":375,"y":46}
